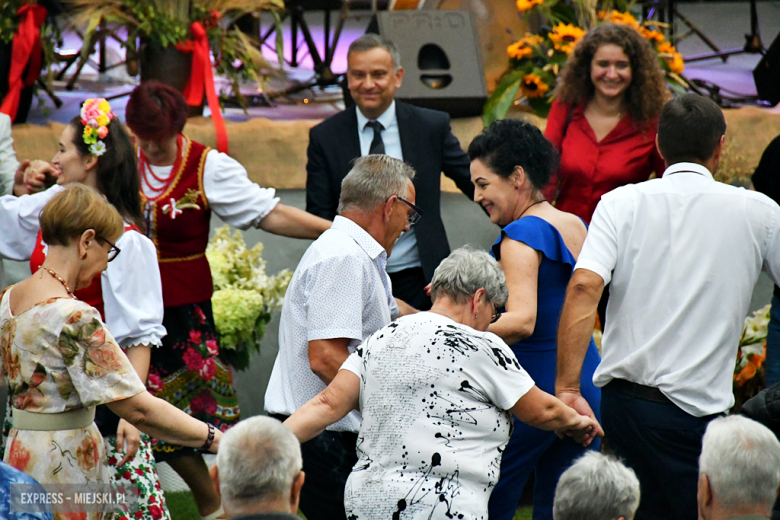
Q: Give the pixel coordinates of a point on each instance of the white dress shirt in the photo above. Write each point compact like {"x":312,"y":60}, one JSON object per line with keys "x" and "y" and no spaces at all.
{"x":405,"y":253}
{"x":683,"y":253}
{"x":340,"y":289}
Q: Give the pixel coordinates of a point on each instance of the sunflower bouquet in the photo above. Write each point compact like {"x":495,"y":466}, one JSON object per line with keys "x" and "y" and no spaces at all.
{"x":536,"y":60}
{"x":244,"y":295}
{"x":749,"y":369}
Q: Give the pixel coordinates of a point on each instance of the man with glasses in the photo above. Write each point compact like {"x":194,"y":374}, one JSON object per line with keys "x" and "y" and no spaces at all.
{"x":379,"y":124}
{"x":339,"y":295}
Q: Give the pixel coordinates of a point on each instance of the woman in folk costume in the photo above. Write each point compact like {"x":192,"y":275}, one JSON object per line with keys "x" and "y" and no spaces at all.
{"x":182,"y":181}
{"x":95,"y":150}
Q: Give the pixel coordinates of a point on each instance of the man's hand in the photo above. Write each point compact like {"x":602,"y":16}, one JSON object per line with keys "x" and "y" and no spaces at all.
{"x":404,"y":309}
{"x":576,"y":401}
{"x":34,"y":176}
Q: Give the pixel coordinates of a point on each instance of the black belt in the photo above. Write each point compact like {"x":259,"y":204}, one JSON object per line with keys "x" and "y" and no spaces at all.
{"x":648,"y":393}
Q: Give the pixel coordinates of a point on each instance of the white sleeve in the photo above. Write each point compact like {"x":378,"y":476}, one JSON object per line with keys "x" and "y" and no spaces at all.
{"x":132,"y":293}
{"x":354,"y":363}
{"x":19,"y":222}
{"x":237,"y":200}
{"x":599,"y":252}
{"x":499,"y":374}
{"x":8,"y":161}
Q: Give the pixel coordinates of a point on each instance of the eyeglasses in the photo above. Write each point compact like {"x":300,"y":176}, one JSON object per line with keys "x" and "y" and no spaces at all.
{"x":416,"y":213}
{"x":113,"y":252}
{"x":496,"y":314}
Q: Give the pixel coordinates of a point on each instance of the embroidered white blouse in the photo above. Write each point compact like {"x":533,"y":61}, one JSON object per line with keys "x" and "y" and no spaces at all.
{"x":132,"y":290}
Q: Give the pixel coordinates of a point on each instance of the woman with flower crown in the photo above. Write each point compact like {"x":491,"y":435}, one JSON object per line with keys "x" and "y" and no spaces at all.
{"x":182,"y":181}
{"x":95,"y":150}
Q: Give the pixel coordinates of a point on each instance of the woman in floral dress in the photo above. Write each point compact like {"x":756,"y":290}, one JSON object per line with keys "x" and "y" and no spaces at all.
{"x":128,"y":295}
{"x":60,"y":361}
{"x":182,"y":181}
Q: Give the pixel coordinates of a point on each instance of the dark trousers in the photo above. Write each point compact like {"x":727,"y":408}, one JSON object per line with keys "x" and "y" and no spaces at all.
{"x":327,"y":462}
{"x":409,"y":286}
{"x":662,"y":444}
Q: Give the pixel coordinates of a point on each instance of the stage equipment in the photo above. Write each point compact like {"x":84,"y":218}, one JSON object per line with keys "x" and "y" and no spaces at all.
{"x":752,"y":45}
{"x":441,"y":59}
{"x":767,"y":74}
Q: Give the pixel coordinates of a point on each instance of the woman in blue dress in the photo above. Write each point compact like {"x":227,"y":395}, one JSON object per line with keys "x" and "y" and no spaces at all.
{"x":510,"y":163}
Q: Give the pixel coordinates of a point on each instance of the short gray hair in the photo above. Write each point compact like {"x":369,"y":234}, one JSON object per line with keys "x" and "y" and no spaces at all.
{"x":596,"y":487}
{"x":372,"y":180}
{"x":741,"y":459}
{"x":465,"y":271}
{"x":258,"y":460}
{"x":372,"y":41}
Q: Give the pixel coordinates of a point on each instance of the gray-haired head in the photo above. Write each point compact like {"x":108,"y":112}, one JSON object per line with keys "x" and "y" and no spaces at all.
{"x":372,"y":180}
{"x":373,"y":41}
{"x":464,"y":272}
{"x":596,"y":487}
{"x":741,"y":459}
{"x":258,"y":460}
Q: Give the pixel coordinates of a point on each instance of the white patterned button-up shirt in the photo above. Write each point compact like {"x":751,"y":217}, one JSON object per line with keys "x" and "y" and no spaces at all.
{"x":340,"y":289}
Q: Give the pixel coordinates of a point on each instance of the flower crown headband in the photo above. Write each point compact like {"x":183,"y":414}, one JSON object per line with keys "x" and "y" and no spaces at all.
{"x":96,"y":114}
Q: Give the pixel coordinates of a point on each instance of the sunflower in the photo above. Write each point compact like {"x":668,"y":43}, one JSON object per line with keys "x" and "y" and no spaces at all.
{"x":673,"y":58}
{"x":533,"y":86}
{"x":565,"y":37}
{"x":525,"y":5}
{"x":656,"y":37}
{"x":618,"y":17}
{"x":524,"y":48}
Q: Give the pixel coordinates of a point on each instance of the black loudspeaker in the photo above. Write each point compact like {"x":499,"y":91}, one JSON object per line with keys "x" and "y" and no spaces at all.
{"x":441,"y":60}
{"x":767,"y":74}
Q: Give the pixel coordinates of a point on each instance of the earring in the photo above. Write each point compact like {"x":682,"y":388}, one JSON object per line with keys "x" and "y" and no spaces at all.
{"x":476,"y":316}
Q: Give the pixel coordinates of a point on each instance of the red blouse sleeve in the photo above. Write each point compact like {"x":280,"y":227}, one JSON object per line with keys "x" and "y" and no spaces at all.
{"x":556,"y":120}
{"x":658,"y":163}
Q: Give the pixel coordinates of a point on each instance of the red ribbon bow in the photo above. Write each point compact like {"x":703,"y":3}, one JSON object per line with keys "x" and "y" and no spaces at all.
{"x":26,"y":47}
{"x":201,"y":77}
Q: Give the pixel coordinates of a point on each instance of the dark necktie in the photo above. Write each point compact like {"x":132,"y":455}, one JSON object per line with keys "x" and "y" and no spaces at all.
{"x":377,"y":145}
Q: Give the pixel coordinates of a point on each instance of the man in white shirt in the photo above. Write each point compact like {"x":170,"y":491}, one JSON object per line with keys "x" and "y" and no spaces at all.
{"x":339,"y":295}
{"x":683,"y":254}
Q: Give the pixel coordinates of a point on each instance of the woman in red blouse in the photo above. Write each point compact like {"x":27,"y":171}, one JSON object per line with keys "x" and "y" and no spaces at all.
{"x":604,"y":118}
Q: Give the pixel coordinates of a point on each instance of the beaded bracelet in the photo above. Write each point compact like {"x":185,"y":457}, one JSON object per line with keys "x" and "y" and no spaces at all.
{"x":210,"y":439}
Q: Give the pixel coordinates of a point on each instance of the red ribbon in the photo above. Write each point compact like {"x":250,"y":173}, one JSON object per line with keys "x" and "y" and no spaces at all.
{"x":26,"y":53}
{"x":202,"y":77}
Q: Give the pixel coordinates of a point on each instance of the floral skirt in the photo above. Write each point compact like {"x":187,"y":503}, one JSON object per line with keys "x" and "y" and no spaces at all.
{"x":186,"y":371}
{"x":140,"y":471}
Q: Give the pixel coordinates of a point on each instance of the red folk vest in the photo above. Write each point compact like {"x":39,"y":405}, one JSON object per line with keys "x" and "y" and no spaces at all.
{"x":178,"y":224}
{"x":91,"y":295}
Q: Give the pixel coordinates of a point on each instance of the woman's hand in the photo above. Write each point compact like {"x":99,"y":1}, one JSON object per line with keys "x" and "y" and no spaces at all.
{"x":583,"y":432}
{"x":127,"y":434}
{"x":34,"y":176}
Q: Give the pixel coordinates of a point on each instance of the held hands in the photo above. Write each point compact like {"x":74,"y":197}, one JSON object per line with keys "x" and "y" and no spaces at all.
{"x":34,"y":176}
{"x":587,"y":427}
{"x":127,"y":434}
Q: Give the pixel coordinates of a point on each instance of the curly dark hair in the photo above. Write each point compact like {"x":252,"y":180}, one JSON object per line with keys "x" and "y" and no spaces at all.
{"x":508,"y":143}
{"x":647,"y":92}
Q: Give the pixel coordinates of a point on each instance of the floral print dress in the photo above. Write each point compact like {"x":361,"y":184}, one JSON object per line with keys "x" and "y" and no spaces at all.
{"x":58,"y":356}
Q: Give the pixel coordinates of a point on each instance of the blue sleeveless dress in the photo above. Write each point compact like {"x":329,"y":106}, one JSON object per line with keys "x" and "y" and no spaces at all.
{"x":530,"y":449}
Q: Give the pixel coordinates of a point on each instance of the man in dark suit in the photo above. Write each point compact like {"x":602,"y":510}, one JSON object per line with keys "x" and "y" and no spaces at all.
{"x":380,"y":124}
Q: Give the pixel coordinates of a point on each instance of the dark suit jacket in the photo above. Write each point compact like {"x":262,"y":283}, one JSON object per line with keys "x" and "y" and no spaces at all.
{"x":427,"y":145}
